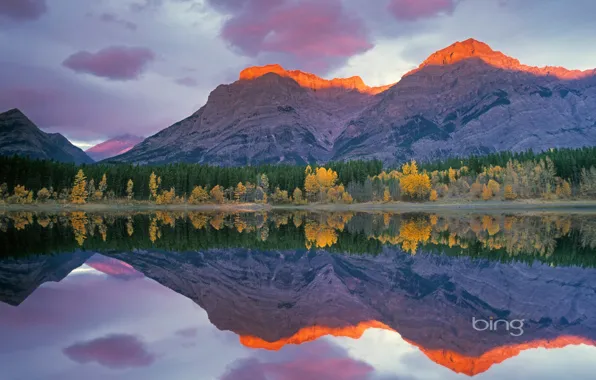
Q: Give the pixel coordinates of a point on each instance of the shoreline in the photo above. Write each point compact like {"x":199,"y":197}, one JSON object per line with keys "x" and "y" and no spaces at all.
{"x":582,"y":206}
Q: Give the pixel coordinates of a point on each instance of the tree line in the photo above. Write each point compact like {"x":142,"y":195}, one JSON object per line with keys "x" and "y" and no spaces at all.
{"x":556,"y":174}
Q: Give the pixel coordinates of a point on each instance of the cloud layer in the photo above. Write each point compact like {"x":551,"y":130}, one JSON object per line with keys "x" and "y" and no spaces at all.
{"x":22,"y":10}
{"x":115,"y":62}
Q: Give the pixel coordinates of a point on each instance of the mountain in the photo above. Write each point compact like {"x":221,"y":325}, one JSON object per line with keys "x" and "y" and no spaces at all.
{"x":464,"y":99}
{"x":274,"y":298}
{"x":19,"y":135}
{"x":113,"y":147}
{"x":270,"y":299}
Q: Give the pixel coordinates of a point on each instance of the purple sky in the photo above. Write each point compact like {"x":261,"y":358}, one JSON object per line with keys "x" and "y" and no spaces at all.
{"x":94,"y":69}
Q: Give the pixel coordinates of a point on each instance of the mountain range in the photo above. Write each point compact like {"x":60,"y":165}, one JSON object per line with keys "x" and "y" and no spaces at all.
{"x":274,"y":298}
{"x":20,"y":136}
{"x":464,"y":99}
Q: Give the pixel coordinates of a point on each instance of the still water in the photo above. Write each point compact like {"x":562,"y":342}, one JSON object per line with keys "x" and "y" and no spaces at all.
{"x":275,"y":296}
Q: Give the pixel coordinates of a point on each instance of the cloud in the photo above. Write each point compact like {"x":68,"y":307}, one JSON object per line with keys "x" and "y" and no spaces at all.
{"x":114,"y":19}
{"x":112,"y":351}
{"x":115,"y":62}
{"x":412,"y":10}
{"x":322,"y":360}
{"x":187,"y":81}
{"x":317,"y":34}
{"x":23,"y":10}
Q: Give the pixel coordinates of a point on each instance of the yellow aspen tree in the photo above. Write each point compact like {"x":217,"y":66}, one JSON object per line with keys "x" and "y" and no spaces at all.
{"x":297,"y":196}
{"x":486,"y":193}
{"x":386,"y":195}
{"x":130,"y":189}
{"x":239,"y":192}
{"x":217,"y":194}
{"x":79,"y":189}
{"x":508,"y":193}
{"x":433,"y":196}
{"x":153,"y":185}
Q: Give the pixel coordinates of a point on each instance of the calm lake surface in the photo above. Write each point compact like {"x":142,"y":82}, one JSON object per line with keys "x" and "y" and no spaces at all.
{"x":297,"y":295}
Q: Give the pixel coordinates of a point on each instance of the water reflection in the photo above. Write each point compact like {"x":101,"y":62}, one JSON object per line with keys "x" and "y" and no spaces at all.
{"x":552,"y":238}
{"x":239,"y":296}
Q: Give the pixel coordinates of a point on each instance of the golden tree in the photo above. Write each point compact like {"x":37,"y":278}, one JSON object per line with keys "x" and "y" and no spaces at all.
{"x":129,"y":189}
{"x":79,"y":189}
{"x":217,"y":194}
{"x":297,"y":196}
{"x":413,"y":184}
{"x":486,"y":193}
{"x":508,"y":193}
{"x":43,"y":195}
{"x":311,"y":185}
{"x":386,"y":195}
{"x":433,"y":196}
{"x":239,"y":192}
{"x":198,"y":195}
{"x":153,"y":185}
{"x":494,"y":186}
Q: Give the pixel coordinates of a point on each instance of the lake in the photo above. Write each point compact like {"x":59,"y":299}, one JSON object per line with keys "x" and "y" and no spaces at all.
{"x":297,"y":295}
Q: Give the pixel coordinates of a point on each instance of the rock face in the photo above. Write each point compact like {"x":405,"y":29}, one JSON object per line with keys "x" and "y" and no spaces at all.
{"x":462,"y":100}
{"x":18,"y":135}
{"x":113,"y":147}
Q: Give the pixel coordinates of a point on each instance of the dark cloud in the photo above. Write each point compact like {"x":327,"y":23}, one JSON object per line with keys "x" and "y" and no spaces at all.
{"x":23,"y":10}
{"x":115,"y":62}
{"x":112,"y":351}
{"x":412,"y":10}
{"x":115,"y":19}
{"x":315,"y":34}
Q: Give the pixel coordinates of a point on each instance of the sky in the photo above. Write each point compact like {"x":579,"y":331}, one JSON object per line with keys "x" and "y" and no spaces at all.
{"x":95,"y":69}
{"x":95,"y":326}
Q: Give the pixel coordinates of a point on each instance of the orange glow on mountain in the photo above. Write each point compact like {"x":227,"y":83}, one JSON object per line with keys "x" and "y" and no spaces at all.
{"x":309,"y":334}
{"x":472,"y":366}
{"x":471,"y":48}
{"x":459,"y":363}
{"x":312,"y":81}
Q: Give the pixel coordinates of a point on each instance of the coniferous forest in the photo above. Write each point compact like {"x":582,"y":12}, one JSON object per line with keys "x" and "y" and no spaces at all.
{"x":550,"y":175}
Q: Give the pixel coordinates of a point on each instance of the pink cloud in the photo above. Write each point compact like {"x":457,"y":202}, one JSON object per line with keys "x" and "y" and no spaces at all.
{"x":411,"y":10}
{"x":23,"y":10}
{"x":115,"y":62}
{"x":112,"y":351}
{"x":305,"y":30}
{"x":321,"y":360}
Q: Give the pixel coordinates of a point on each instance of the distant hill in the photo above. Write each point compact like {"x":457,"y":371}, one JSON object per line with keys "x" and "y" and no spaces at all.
{"x":20,"y":136}
{"x":113,"y":147}
{"x":464,"y":99}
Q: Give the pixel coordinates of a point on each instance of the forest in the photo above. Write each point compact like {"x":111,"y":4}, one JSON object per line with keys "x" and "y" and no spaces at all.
{"x":550,"y":175}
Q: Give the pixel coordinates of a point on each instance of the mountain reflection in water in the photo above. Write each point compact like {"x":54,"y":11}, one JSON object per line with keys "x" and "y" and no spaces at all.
{"x":296,"y":296}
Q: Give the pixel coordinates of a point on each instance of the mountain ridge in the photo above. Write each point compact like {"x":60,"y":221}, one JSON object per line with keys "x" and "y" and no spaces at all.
{"x":20,"y":136}
{"x":463,"y":99}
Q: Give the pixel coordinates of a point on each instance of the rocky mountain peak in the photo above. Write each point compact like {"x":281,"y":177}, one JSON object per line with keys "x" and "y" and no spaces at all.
{"x":474,"y":49}
{"x":312,"y":81}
